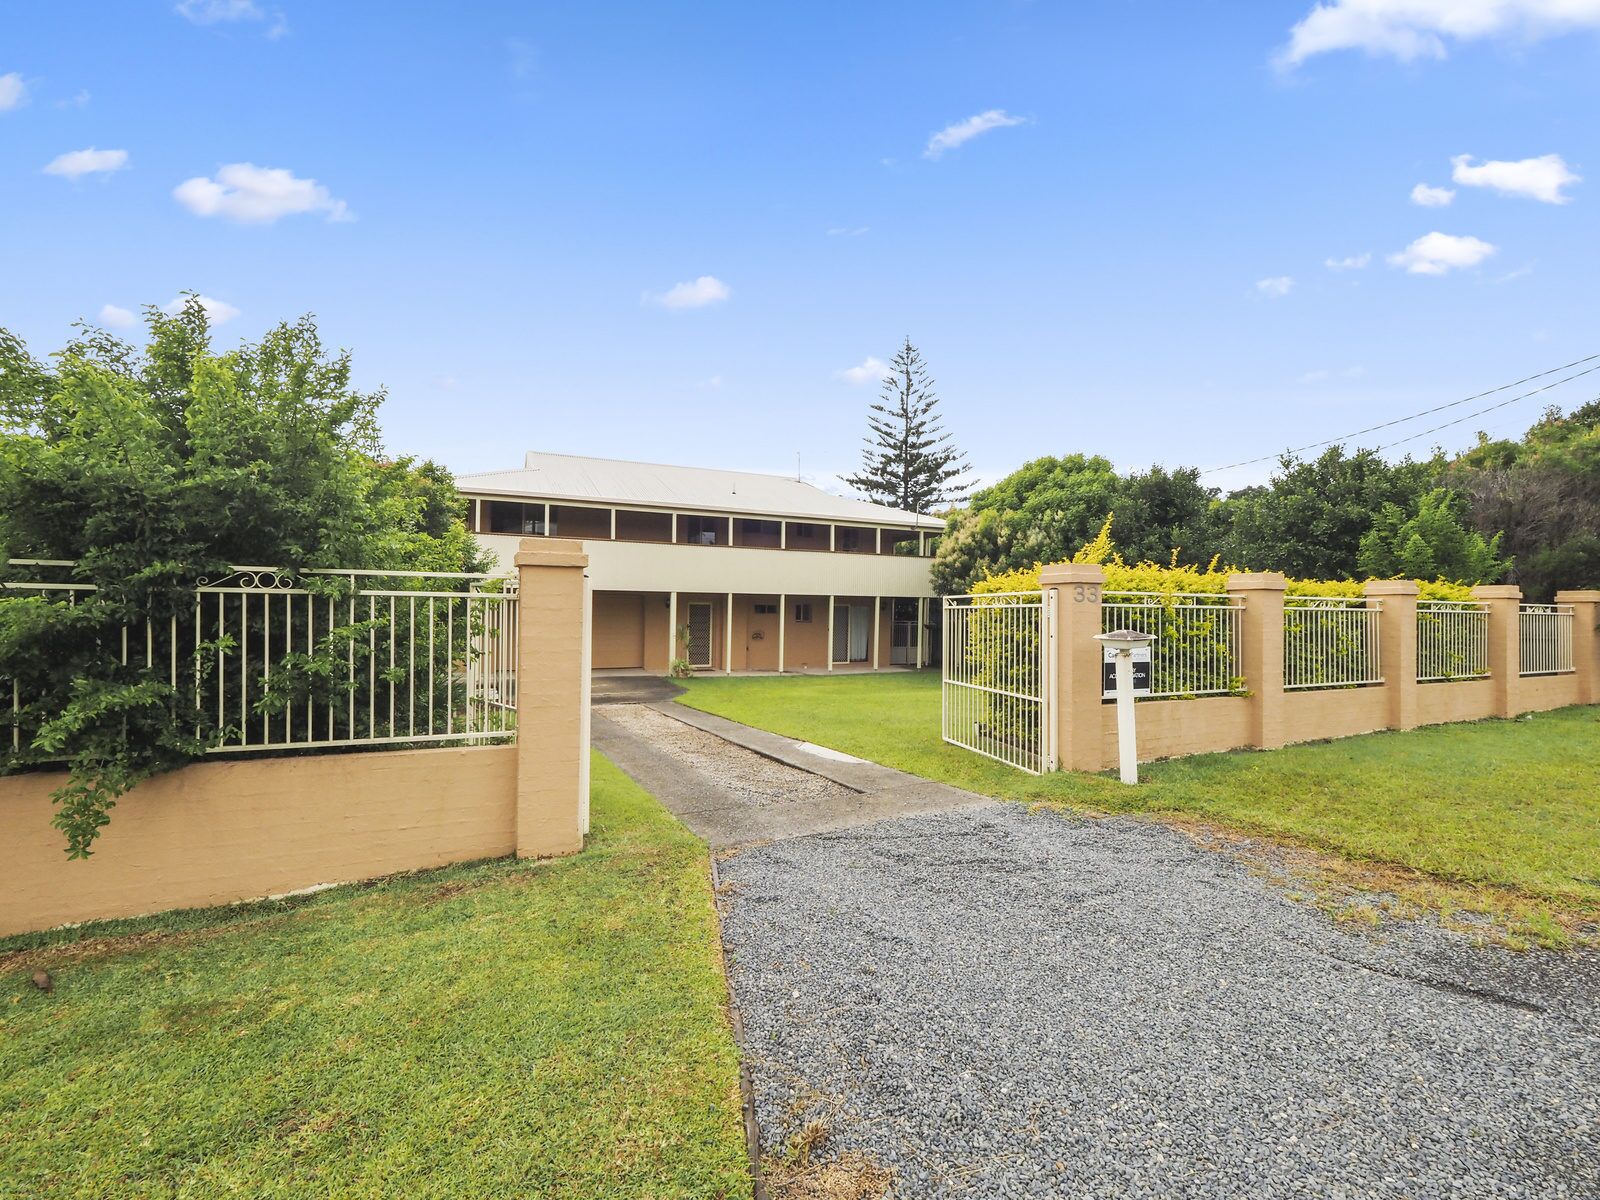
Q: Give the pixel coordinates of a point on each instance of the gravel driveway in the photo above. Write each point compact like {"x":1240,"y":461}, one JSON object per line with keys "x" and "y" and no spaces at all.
{"x":1001,"y":1003}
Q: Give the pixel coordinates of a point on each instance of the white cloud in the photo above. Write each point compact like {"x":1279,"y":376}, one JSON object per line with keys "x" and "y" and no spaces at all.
{"x":257,"y":195}
{"x":217,"y":311}
{"x":77,"y":163}
{"x":217,"y":12}
{"x":695,"y":293}
{"x":1537,"y":178}
{"x":1439,"y":253}
{"x":81,"y":100}
{"x":848,"y":231}
{"x":1352,"y":262}
{"x":870,"y":371}
{"x":961,"y":132}
{"x":114,"y":317}
{"x":1277,"y":286}
{"x":1412,"y":29}
{"x":1432,"y":197}
{"x":13,"y":92}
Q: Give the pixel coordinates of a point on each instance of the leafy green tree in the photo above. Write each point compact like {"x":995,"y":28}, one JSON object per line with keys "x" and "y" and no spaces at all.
{"x":1308,"y":521}
{"x":150,"y":470}
{"x":1543,"y":491}
{"x":1040,"y":513}
{"x":1160,"y":511}
{"x":1433,"y":543}
{"x":908,"y":462}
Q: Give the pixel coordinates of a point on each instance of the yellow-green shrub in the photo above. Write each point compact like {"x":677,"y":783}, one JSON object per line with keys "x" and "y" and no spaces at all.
{"x":1188,"y":580}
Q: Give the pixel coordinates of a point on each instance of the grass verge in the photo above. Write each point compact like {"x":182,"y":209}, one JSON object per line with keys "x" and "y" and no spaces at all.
{"x":1500,"y":818}
{"x":555,"y":1029}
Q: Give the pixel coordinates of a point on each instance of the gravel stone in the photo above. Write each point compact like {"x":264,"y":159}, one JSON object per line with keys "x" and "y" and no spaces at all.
{"x":1005,"y":1003}
{"x":750,"y":776}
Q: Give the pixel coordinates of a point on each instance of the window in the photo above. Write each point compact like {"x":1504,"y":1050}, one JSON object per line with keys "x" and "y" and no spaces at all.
{"x":802,"y":614}
{"x":766,"y":610}
{"x":703,"y":531}
{"x":503,"y":516}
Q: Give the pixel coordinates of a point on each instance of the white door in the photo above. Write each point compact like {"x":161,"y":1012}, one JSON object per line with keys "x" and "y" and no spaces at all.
{"x":700,"y":635}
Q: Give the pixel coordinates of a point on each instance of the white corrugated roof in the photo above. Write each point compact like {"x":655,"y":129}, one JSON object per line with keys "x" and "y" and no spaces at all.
{"x":614,"y":481}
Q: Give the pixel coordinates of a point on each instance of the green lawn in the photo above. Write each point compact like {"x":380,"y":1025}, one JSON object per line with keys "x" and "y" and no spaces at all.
{"x":502,"y":1029}
{"x":1514,"y":804}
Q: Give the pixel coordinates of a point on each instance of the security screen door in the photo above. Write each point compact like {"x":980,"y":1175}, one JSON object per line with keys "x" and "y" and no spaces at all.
{"x":700,"y":635}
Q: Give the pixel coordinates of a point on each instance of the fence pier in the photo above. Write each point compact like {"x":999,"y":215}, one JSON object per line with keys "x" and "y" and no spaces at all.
{"x":1074,"y":592}
{"x":552,"y":716}
{"x":1585,"y":641}
{"x":1504,"y":604}
{"x":1261,"y":653}
{"x":1397,"y":646}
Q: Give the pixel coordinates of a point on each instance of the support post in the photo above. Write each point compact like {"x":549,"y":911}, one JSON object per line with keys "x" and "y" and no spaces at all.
{"x":830,"y":629}
{"x":1585,"y":641}
{"x":833,"y":538}
{"x":613,"y":524}
{"x":552,"y":751}
{"x":1504,"y":602}
{"x":1074,"y":591}
{"x":1261,"y":653}
{"x":672,"y":629}
{"x":783,"y":623}
{"x":783,"y":536}
{"x":1397,"y":647}
{"x":727,"y":639}
{"x":877,"y":627}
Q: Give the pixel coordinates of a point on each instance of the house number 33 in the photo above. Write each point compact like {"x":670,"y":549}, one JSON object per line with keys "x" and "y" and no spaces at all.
{"x":1086,"y":594}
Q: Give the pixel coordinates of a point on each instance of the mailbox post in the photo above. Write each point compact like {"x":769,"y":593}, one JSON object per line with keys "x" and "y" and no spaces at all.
{"x":1124,"y":642}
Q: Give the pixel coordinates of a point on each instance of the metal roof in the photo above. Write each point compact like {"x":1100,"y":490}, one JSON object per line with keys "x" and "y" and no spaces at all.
{"x":613,"y":481}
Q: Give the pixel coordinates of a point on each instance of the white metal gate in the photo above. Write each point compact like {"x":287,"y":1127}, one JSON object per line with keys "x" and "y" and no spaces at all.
{"x":996,"y":678}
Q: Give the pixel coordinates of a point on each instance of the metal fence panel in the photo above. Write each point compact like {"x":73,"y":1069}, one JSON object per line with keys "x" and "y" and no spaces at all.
{"x":996,"y":678}
{"x":324,"y":659}
{"x":1545,"y":637}
{"x":1196,"y":647}
{"x":1452,"y":641}
{"x":1330,"y":642}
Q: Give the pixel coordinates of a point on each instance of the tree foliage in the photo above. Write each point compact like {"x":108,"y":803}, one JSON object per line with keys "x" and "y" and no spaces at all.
{"x":1313,"y":519}
{"x":1432,"y":544}
{"x":1309,"y":520}
{"x":150,"y":469}
{"x":1543,"y":491}
{"x":908,"y":462}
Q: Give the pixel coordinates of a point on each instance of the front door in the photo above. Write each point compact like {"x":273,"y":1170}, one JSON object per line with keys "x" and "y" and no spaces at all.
{"x":700,"y":636}
{"x":903,"y":638}
{"x":852,"y":627}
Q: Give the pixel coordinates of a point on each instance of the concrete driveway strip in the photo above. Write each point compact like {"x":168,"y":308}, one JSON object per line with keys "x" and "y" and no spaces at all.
{"x":994,"y":1002}
{"x":734,"y":785}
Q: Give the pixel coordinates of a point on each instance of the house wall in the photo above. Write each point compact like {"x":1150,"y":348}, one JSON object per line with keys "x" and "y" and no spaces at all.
{"x":619,"y":636}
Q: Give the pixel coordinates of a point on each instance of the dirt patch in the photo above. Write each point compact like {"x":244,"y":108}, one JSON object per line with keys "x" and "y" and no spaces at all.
{"x":748,"y":775}
{"x":799,"y":1174}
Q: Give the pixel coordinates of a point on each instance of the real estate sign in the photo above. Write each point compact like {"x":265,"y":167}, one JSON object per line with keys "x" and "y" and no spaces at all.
{"x":1141,"y":673}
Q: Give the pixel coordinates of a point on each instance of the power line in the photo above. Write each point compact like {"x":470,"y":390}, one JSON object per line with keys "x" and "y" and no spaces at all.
{"x":1429,"y":412}
{"x":1468,"y":417}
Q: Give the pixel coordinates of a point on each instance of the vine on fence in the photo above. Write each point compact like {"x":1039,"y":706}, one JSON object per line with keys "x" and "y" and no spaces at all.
{"x":147,"y":471}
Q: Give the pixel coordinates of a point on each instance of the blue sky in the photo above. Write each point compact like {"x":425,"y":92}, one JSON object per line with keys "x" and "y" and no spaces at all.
{"x":1120,"y":244}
